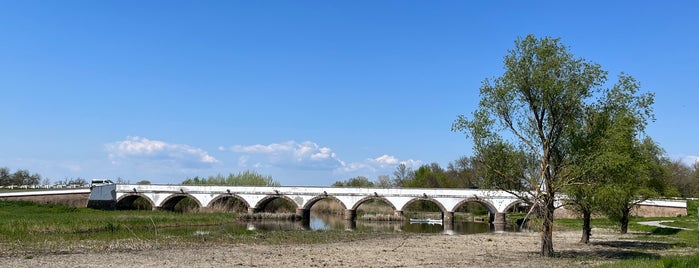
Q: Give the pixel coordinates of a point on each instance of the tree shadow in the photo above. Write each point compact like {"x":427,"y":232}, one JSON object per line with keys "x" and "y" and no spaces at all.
{"x":609,"y":254}
{"x":629,"y":245}
{"x":665,"y":231}
{"x":618,"y":250}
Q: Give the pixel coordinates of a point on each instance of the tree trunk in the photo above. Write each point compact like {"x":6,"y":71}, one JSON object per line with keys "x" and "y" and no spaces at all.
{"x":547,"y":232}
{"x":586,"y":230}
{"x":625,"y":221}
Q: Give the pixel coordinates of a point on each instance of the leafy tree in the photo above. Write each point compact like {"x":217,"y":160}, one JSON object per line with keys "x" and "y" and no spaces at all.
{"x":143,"y":182}
{"x":19,"y":177}
{"x":430,"y":176}
{"x":531,"y":112}
{"x":22,"y":177}
{"x":604,"y":152}
{"x":636,"y":184}
{"x":466,"y":171}
{"x":359,"y":181}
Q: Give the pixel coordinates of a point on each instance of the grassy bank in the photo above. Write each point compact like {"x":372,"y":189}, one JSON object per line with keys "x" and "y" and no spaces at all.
{"x":28,"y":228}
{"x":651,"y":238}
{"x":670,"y":261}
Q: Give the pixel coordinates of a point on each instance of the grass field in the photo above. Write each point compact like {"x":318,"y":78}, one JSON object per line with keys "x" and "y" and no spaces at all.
{"x":674,"y":238}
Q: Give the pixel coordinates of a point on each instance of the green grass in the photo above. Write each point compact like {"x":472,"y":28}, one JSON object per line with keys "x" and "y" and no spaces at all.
{"x":673,"y":238}
{"x":576,"y":224}
{"x":692,"y":207}
{"x":664,"y":262}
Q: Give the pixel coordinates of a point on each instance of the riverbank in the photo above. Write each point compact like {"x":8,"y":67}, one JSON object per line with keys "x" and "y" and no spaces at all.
{"x":406,"y":250}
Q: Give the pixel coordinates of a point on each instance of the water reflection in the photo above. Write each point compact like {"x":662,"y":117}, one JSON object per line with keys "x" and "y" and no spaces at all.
{"x":326,"y":222}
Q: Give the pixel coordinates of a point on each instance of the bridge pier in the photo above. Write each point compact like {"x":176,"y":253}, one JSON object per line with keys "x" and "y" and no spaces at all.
{"x":305,"y":215}
{"x":448,"y":220}
{"x":499,"y":222}
{"x":350,"y":215}
{"x":251,"y":210}
{"x":350,"y":225}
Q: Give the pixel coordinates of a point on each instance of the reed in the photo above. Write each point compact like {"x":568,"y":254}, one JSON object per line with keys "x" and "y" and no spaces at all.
{"x":379,"y":217}
{"x":269,"y":216}
{"x":328,"y":207}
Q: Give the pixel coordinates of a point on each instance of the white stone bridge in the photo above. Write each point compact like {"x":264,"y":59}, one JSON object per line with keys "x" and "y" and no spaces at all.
{"x":256,"y":198}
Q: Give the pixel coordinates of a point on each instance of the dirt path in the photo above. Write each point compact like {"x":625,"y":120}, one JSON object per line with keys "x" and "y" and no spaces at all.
{"x":480,"y":250}
{"x":661,"y":225}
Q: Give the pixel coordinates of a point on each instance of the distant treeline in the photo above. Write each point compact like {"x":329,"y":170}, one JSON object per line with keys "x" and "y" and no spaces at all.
{"x":462,"y":173}
{"x":246,"y":178}
{"x":676,"y":178}
{"x":19,"y":177}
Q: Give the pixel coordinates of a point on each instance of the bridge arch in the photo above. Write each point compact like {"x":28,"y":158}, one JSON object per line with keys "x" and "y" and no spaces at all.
{"x":315,"y":199}
{"x":267,"y":199}
{"x":436,"y":202}
{"x":370,"y":198}
{"x":222,"y":197}
{"x":171,"y":201}
{"x":487,"y":204}
{"x":126,"y":201}
{"x":514,"y":204}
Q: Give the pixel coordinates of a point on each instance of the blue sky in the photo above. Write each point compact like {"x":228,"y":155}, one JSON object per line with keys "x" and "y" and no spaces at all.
{"x":309,"y":92}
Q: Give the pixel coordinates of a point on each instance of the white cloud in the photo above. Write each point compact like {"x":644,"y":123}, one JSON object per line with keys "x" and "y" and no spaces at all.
{"x":689,"y":160}
{"x":137,"y":148}
{"x":355,"y":167}
{"x":381,"y":165}
{"x":307,"y":155}
{"x":304,"y":155}
{"x":386,"y":160}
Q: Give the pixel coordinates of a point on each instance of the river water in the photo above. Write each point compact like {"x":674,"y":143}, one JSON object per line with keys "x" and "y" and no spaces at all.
{"x":329,"y":222}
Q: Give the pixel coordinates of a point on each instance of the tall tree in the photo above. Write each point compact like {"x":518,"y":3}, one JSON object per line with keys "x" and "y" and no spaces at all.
{"x":635,"y":183}
{"x":402,"y":174}
{"x":531,"y":110}
{"x":465,"y":171}
{"x":605,"y":154}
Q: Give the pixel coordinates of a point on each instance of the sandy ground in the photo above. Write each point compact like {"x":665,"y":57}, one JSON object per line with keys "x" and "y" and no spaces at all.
{"x":480,"y":250}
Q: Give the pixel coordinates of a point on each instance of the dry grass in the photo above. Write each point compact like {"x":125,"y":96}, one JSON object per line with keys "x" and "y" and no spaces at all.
{"x":70,"y":200}
{"x":269,"y":216}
